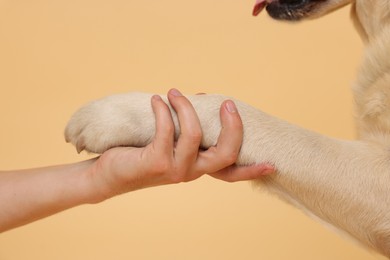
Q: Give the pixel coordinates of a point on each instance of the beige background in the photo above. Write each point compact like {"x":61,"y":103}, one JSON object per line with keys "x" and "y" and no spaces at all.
{"x":56,"y":55}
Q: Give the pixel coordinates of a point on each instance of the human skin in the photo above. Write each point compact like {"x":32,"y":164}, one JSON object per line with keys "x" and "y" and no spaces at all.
{"x":32,"y":194}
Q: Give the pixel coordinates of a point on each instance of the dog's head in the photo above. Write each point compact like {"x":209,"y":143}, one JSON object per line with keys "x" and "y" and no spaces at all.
{"x":370,"y":16}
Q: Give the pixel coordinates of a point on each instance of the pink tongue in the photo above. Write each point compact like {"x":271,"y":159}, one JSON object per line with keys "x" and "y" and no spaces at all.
{"x":259,"y":6}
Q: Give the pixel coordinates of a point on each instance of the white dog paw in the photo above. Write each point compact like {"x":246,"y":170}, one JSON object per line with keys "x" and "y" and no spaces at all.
{"x":128,"y":120}
{"x":118,"y":120}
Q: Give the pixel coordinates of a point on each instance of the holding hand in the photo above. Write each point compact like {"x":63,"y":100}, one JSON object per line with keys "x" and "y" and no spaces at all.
{"x":165,"y":161}
{"x":32,"y":194}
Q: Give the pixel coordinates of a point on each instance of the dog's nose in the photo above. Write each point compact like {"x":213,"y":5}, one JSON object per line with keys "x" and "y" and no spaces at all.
{"x":292,"y":2}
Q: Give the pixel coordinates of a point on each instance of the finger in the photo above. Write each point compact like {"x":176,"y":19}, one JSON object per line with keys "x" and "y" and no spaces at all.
{"x":164,"y":137}
{"x":187,"y":146}
{"x":229,"y":141}
{"x":231,"y":136}
{"x":243,"y":173}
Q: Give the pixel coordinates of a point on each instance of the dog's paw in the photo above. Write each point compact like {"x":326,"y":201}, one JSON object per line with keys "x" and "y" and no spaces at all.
{"x":118,"y":120}
{"x":128,"y":120}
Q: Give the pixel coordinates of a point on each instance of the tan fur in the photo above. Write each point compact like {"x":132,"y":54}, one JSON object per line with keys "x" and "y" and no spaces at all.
{"x":344,"y":183}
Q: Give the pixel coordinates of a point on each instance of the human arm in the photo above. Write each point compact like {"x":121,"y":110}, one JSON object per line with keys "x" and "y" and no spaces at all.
{"x":32,"y":194}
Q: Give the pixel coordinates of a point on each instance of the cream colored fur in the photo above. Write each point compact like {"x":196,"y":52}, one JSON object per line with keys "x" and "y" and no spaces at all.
{"x":344,"y":183}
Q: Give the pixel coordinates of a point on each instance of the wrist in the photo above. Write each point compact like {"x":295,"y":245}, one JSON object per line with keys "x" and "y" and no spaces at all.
{"x":95,"y":191}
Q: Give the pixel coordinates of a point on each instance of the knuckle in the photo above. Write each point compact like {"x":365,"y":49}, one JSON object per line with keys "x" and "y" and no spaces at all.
{"x":161,"y":167}
{"x":194,"y":136}
{"x":165,"y":140}
{"x":165,"y":135}
{"x":169,"y":128}
{"x":230,"y":158}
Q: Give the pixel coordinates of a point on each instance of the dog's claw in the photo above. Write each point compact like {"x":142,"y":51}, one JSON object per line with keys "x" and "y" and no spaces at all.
{"x":80,"y":145}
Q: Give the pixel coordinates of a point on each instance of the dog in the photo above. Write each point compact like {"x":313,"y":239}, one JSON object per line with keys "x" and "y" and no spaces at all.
{"x":345,"y":184}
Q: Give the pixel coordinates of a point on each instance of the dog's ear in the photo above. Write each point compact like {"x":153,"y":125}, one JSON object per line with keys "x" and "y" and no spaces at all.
{"x":358,"y":25}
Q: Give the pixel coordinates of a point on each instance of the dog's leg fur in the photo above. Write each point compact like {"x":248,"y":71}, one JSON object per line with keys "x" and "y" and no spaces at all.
{"x":345,"y":183}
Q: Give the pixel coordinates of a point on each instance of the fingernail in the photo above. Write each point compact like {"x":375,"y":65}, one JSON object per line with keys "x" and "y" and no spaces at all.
{"x":267,"y":169}
{"x":176,"y":92}
{"x":230,"y":106}
{"x":156,"y":98}
{"x":268,"y":172}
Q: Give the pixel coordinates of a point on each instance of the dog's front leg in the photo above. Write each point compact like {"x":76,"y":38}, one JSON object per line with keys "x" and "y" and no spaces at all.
{"x":345,"y":183}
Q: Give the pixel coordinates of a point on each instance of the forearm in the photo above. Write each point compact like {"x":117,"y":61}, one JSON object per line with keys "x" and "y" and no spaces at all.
{"x":29,"y":195}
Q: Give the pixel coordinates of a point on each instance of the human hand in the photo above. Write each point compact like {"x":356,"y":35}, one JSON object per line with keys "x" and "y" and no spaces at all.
{"x":165,"y":161}
{"x":56,"y":188}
